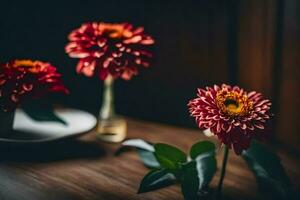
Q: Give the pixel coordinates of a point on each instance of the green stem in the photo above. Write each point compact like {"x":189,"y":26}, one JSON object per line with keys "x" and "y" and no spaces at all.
{"x":223,"y":170}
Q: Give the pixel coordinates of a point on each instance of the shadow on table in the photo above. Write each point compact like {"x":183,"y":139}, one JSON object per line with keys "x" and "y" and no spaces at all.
{"x":53,"y":151}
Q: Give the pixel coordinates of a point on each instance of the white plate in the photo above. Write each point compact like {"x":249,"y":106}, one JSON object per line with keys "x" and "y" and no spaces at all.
{"x":27,"y":130}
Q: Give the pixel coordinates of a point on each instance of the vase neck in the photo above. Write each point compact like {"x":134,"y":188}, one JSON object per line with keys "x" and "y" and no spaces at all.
{"x":107,"y":109}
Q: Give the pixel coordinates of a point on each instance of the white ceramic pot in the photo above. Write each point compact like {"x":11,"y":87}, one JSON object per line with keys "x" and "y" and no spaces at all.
{"x":6,"y":123}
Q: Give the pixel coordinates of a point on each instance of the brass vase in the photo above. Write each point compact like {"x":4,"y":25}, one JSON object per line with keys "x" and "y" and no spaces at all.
{"x":111,"y":127}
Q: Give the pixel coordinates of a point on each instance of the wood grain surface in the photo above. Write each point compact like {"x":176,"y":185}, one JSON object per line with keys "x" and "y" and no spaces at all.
{"x":86,"y":168}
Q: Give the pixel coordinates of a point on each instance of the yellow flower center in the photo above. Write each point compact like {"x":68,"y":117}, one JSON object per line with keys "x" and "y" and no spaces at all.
{"x":32,"y":65}
{"x":233,"y":103}
{"x":115,"y":30}
{"x":24,"y":63}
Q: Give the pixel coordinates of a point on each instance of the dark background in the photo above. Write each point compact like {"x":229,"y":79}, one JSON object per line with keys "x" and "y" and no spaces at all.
{"x":253,"y":43}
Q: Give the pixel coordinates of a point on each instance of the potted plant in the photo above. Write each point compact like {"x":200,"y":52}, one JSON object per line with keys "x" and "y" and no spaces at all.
{"x":24,"y":81}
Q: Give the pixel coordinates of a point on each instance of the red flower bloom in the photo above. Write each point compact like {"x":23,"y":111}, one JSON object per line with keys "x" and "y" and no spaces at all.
{"x":232,"y":114}
{"x":109,"y":49}
{"x":25,"y":79}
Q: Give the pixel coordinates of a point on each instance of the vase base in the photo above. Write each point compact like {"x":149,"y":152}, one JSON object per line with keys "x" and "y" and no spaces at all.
{"x":112,"y":130}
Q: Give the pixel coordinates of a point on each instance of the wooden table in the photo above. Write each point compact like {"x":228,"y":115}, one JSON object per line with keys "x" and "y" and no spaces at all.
{"x":86,"y":168}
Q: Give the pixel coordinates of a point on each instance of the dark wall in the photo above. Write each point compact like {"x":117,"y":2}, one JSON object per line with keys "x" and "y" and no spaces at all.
{"x":289,"y":77}
{"x":190,"y":51}
{"x":253,"y":43}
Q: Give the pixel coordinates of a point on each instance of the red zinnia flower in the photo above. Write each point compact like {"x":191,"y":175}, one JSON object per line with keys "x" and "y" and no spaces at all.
{"x":232,"y":114}
{"x":26,"y":79}
{"x":109,"y":49}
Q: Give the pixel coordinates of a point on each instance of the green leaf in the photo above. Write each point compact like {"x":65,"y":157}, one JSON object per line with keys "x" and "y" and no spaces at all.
{"x":189,"y":181}
{"x":148,"y":158}
{"x":206,"y":165}
{"x":201,"y":147}
{"x":196,"y":175}
{"x":270,"y":174}
{"x":43,"y":114}
{"x":156,"y":179}
{"x":169,"y":156}
{"x":144,"y":149}
{"x":139,"y":143}
{"x":203,"y":153}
